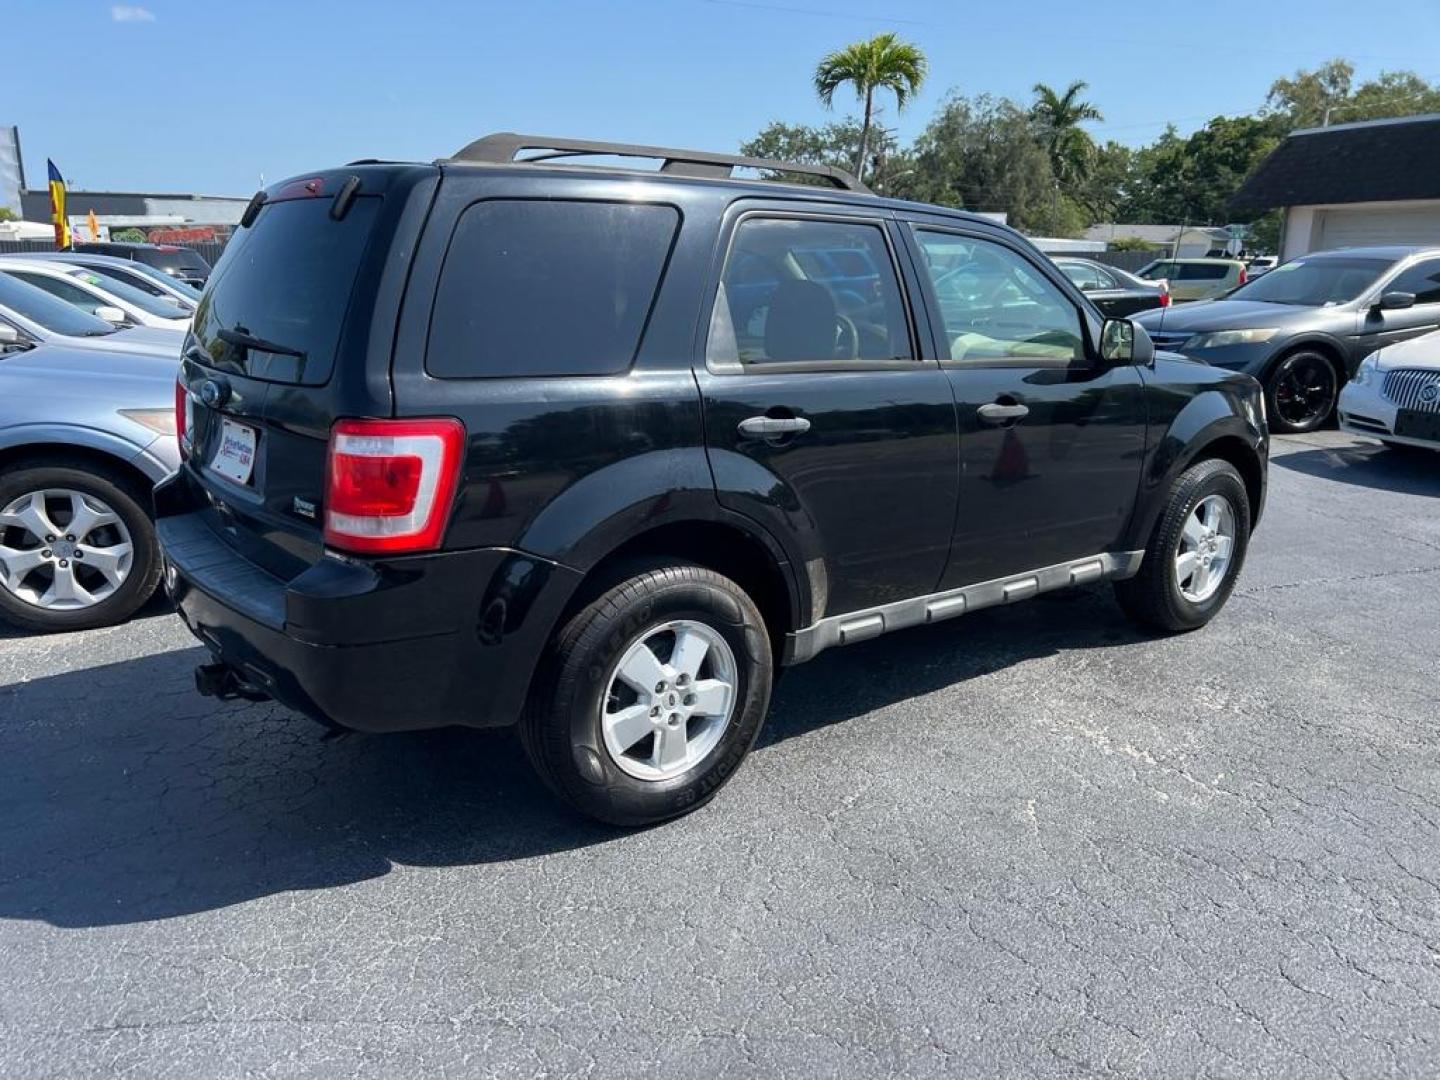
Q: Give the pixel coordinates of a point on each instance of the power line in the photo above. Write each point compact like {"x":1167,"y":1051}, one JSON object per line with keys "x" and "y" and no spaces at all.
{"x":759,"y":6}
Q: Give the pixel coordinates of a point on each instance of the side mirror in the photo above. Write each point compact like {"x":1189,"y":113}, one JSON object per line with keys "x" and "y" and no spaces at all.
{"x":1397,"y":301}
{"x":113,"y":315}
{"x":9,"y":337}
{"x":1125,"y":342}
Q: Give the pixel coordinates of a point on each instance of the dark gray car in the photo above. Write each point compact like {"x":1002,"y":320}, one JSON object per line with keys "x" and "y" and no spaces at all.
{"x":1304,"y":327}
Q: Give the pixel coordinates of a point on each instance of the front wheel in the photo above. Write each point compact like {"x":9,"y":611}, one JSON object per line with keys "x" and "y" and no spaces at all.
{"x":77,"y":549}
{"x":651,"y":697}
{"x":1301,"y":392}
{"x":1195,"y":553}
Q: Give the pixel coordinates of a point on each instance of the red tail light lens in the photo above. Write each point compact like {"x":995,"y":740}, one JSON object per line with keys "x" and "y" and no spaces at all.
{"x":1243,"y":276}
{"x":1164,"y":294}
{"x":390,"y":483}
{"x":182,"y":417}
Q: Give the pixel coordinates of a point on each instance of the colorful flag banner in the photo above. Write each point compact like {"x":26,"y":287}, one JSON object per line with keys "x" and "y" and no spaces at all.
{"x":57,"y":207}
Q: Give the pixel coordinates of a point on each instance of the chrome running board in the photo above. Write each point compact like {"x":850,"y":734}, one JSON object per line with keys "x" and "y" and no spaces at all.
{"x":872,"y":622}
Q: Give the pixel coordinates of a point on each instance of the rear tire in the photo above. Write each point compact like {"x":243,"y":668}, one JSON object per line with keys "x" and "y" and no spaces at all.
{"x":1163,"y":596}
{"x":648,"y":743}
{"x":24,"y":587}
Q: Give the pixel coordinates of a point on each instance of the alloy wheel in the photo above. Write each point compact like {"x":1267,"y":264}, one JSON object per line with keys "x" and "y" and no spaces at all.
{"x":1207,"y":544}
{"x":63,"y":550}
{"x":669,"y":700}
{"x":1304,"y":390}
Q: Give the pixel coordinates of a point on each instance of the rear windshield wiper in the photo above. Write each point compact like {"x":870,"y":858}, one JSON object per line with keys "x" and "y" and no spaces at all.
{"x":243,"y":339}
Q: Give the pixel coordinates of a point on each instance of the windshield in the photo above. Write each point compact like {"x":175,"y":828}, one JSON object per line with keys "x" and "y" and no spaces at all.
{"x":135,"y":279}
{"x":174,"y":284}
{"x":48,"y":311}
{"x":168,"y":258}
{"x":1318,"y":282}
{"x":152,"y":305}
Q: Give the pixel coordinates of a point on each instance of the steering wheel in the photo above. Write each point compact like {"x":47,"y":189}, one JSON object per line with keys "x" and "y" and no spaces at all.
{"x":847,"y":338}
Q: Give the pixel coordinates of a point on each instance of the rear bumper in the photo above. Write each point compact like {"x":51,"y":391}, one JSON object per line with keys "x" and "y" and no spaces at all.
{"x":420,"y":642}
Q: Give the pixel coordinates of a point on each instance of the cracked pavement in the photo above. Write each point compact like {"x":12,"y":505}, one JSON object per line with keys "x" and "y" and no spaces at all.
{"x":1031,"y":841}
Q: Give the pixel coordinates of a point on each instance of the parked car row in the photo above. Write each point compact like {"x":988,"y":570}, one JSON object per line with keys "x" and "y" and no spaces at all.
{"x":89,"y":348}
{"x":1303,"y":328}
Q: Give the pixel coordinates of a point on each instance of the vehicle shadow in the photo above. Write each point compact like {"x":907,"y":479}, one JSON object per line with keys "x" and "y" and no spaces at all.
{"x":157,"y":605}
{"x":125,"y":797}
{"x":1403,"y":471}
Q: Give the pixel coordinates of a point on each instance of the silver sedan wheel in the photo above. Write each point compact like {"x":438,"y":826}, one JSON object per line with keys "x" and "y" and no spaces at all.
{"x":1207,"y":545}
{"x":669,"y":700}
{"x":63,"y":550}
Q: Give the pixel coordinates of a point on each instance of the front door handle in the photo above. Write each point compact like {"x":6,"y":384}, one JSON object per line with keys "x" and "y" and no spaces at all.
{"x":995,"y":413}
{"x":769,"y":427}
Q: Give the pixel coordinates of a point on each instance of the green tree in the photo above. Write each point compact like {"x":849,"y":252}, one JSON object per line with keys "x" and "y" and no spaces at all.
{"x":834,"y":144}
{"x":1068,"y":144}
{"x":1130,"y":243}
{"x":982,"y":154}
{"x":6,"y":214}
{"x":882,"y":63}
{"x":1328,"y":95}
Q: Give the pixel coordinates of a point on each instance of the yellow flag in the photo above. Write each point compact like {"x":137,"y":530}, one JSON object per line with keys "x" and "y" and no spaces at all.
{"x":94,"y":226}
{"x":57,"y":207}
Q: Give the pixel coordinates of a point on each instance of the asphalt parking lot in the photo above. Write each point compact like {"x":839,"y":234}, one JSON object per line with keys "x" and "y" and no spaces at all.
{"x":1029,"y":842}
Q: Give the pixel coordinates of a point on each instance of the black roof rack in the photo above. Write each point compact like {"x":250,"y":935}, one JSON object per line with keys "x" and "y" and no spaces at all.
{"x":502,"y":148}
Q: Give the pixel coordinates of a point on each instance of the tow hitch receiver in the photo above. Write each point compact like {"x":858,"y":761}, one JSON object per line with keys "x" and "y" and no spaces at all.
{"x":224,"y":682}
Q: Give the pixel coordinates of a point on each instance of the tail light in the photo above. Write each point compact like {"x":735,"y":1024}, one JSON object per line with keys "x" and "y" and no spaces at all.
{"x":1164,"y":293}
{"x":183,"y":417}
{"x":1243,"y":276}
{"x":389,"y":484}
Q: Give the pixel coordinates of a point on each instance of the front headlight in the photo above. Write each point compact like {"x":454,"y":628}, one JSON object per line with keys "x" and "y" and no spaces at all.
{"x":1218,"y":338}
{"x":1368,"y":369}
{"x":160,"y":421}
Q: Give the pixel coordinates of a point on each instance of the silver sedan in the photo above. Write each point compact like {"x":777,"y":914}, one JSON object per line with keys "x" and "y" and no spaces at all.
{"x":85,"y":433}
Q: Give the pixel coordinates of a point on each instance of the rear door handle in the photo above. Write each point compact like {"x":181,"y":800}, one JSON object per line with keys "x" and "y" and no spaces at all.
{"x":995,"y":413}
{"x":768,"y":427}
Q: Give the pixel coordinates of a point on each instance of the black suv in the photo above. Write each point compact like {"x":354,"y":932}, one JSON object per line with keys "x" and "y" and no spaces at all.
{"x":507,"y":439}
{"x":181,"y":263}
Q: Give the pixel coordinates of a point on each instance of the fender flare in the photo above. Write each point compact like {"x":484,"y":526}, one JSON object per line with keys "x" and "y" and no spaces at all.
{"x":607,"y":509}
{"x":1206,"y":419}
{"x":86,"y":438}
{"x":1322,"y":343}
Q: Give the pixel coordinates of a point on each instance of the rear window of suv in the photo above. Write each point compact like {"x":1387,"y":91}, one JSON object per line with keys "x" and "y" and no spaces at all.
{"x":286,"y":280}
{"x":548,"y":288}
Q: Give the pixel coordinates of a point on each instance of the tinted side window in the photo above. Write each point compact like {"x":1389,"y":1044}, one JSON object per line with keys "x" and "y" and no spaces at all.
{"x":548,"y":288}
{"x":1156,"y":271}
{"x":996,"y":305}
{"x":1203,"y":271}
{"x":1422,"y":279}
{"x":807,"y":291}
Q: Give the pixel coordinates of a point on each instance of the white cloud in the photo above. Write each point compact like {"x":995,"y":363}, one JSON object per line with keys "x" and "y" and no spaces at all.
{"x":131,"y":13}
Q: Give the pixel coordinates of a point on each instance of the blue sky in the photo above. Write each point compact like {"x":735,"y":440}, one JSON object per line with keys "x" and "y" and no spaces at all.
{"x":215,"y":93}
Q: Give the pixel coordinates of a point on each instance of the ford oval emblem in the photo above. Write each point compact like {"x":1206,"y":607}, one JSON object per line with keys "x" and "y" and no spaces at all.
{"x":214,"y":393}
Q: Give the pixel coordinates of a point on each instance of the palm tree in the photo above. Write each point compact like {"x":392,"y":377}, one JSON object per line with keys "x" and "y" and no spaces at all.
{"x":1061,"y":115}
{"x":882,"y":63}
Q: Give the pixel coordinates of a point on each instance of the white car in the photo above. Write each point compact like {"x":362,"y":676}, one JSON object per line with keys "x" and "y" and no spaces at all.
{"x":40,"y":318}
{"x":1395,"y":394}
{"x":111,"y":300}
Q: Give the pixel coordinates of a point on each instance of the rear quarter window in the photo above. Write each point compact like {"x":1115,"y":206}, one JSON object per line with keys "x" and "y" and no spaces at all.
{"x":548,"y":288}
{"x":1204,"y":271}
